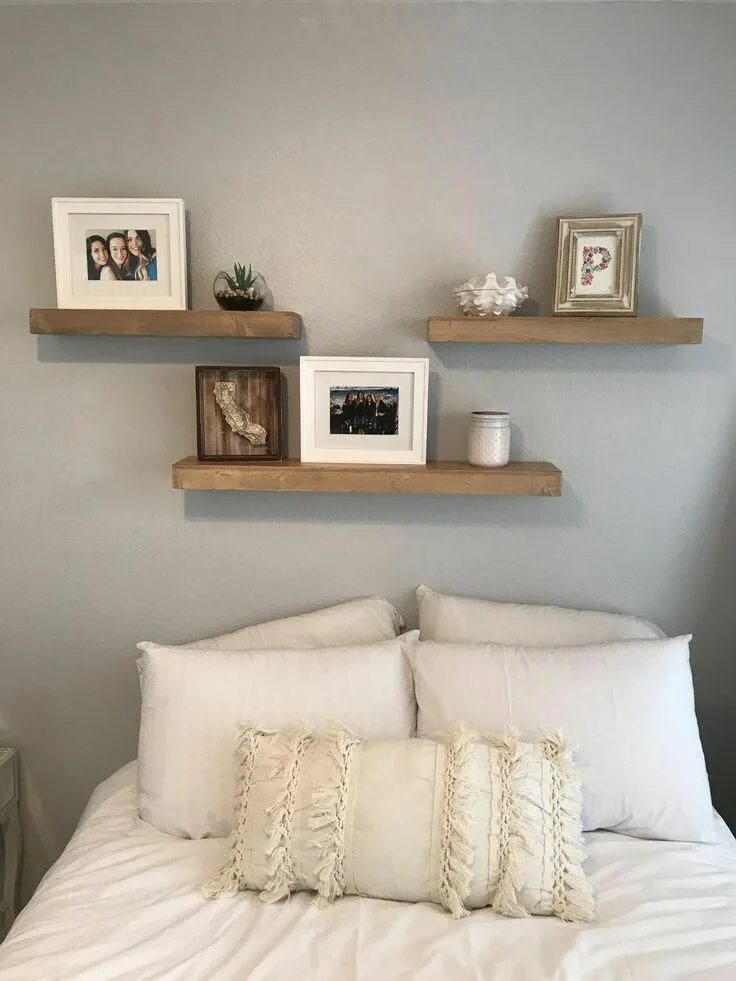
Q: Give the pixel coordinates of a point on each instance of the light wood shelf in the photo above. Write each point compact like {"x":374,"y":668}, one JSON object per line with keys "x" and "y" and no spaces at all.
{"x":566,"y":330}
{"x":168,"y":323}
{"x":516,"y":479}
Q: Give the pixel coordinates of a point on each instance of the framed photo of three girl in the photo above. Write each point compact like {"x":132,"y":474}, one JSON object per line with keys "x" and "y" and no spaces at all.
{"x":120,"y":253}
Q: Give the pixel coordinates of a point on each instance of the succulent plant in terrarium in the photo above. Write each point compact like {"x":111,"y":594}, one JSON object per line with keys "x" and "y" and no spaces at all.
{"x":243,"y":290}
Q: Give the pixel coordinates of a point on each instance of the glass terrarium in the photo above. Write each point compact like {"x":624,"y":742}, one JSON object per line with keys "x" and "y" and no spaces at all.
{"x":242,"y":289}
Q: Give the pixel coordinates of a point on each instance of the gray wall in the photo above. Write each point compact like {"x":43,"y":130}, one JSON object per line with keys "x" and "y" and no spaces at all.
{"x":367,"y":159}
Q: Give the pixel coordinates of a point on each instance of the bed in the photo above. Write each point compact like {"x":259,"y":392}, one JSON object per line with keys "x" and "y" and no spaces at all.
{"x":124,"y":902}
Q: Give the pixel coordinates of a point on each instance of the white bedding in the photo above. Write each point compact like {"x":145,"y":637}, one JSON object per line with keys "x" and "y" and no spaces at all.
{"x":123,"y":902}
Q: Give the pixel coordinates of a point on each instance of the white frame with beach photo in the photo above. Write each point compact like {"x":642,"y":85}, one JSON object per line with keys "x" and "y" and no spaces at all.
{"x":74,"y":219}
{"x":408,"y":377}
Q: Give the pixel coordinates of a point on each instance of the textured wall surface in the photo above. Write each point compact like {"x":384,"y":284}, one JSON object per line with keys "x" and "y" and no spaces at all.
{"x":367,"y":159}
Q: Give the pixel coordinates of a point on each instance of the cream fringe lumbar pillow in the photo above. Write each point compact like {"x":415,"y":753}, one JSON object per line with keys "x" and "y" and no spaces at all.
{"x":466,"y":823}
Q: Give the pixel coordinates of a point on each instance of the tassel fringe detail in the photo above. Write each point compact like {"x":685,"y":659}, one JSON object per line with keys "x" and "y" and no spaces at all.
{"x":513,"y":834}
{"x":572,"y":897}
{"x":456,"y":855}
{"x":281,"y":874}
{"x":230,"y":878}
{"x":329,"y":805}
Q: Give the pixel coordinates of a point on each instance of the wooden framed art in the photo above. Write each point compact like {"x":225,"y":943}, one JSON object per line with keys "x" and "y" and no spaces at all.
{"x":238,"y":413}
{"x":364,"y":410}
{"x":120,"y":253}
{"x":598,"y":265}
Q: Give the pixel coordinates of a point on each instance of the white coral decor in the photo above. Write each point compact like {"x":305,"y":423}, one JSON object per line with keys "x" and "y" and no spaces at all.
{"x":482,"y":296}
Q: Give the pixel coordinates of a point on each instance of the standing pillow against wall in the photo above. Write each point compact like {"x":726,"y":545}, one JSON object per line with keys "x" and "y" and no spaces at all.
{"x":627,"y":708}
{"x":464,"y":620}
{"x":464,"y":822}
{"x":361,"y":621}
{"x":194,"y":700}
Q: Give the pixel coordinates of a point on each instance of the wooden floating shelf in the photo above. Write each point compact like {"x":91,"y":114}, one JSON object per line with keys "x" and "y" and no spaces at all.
{"x":168,"y":323}
{"x":516,"y":479}
{"x":566,"y":330}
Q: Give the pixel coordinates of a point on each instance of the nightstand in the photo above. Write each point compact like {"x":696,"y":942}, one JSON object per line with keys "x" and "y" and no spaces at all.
{"x":10,"y":835}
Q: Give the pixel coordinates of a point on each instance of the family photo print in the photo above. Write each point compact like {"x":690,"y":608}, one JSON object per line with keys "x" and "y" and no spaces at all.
{"x":127,"y":255}
{"x":364,"y":411}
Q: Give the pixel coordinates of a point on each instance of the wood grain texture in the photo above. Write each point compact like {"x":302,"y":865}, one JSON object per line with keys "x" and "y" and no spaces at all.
{"x":258,"y":392}
{"x":516,"y":479}
{"x":566,"y":330}
{"x":168,"y":323}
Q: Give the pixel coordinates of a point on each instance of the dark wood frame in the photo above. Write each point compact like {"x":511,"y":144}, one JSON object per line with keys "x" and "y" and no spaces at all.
{"x":199,"y":373}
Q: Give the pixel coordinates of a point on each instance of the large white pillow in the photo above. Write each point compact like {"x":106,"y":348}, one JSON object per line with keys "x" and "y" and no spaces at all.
{"x":361,"y":621}
{"x":627,"y":707}
{"x":462,"y":619}
{"x":194,"y":700}
{"x":465,"y":823}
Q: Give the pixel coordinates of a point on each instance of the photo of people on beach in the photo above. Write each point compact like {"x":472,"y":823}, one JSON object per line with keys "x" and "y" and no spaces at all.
{"x":364,"y":411}
{"x":122,"y":255}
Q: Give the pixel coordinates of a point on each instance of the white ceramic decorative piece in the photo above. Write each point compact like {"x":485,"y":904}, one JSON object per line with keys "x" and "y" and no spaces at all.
{"x":483,"y":295}
{"x":489,"y":438}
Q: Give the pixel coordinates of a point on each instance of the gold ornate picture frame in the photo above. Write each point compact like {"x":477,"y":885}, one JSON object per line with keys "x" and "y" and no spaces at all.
{"x":598,"y":265}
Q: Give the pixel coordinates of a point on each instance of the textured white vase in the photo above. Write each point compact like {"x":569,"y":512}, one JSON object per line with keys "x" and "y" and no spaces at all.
{"x":483,"y":296}
{"x":489,"y":438}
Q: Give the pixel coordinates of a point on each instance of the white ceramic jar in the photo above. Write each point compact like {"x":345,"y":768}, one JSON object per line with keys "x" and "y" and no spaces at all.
{"x":489,"y":438}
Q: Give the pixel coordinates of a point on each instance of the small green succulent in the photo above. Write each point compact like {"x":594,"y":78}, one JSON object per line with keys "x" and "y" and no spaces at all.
{"x":242,"y":283}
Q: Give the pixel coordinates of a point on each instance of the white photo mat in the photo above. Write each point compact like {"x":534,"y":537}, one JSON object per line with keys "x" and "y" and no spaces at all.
{"x":604,"y":277}
{"x":76,"y":218}
{"x":407,"y":381}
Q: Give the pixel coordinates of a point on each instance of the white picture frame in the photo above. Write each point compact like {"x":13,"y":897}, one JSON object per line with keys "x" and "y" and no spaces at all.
{"x":395,"y":432}
{"x":598,"y":265}
{"x":156,"y":280}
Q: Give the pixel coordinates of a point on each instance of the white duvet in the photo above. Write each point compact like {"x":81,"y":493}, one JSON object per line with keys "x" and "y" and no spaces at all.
{"x":124,"y":902}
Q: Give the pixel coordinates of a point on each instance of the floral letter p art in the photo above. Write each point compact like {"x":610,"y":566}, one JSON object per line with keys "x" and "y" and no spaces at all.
{"x":590,"y":266}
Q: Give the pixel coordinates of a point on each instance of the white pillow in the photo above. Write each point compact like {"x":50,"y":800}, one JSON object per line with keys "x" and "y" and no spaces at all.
{"x":628,"y":709}
{"x":194,"y":700}
{"x":361,"y":621}
{"x":466,"y":824}
{"x":464,"y":620}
